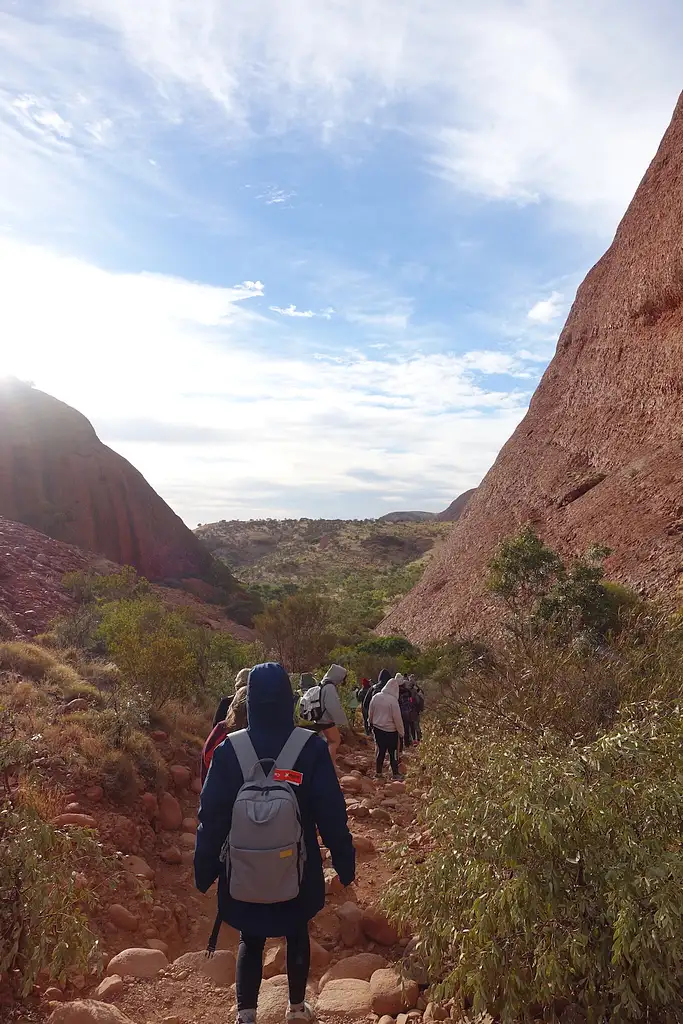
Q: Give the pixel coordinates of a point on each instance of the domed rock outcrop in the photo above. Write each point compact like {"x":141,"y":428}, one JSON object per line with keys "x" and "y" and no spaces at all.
{"x":599,"y":455}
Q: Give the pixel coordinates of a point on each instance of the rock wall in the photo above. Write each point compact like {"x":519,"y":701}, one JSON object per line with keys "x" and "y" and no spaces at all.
{"x":599,"y":455}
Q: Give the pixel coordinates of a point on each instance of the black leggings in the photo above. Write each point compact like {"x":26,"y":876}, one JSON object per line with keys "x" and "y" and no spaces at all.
{"x":250,"y":967}
{"x":387,"y":743}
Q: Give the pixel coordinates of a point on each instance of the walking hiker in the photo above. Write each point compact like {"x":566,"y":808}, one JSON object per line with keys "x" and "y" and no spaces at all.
{"x":258,"y":836}
{"x":387,"y":725}
{"x":235,"y":719}
{"x":362,"y":694}
{"x":322,"y":707}
{"x":405,"y":703}
{"x":225,"y":702}
{"x":418,"y":696}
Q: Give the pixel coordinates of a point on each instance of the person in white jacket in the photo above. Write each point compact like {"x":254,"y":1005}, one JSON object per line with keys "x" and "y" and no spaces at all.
{"x":387,"y":725}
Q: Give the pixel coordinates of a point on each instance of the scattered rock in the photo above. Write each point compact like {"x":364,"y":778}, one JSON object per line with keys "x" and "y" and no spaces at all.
{"x":320,"y":957}
{"x":53,"y":994}
{"x":386,"y":1019}
{"x":196,"y":786}
{"x":346,"y":997}
{"x":158,"y":944}
{"x":82,"y":820}
{"x":110,"y":988}
{"x":363,"y":844}
{"x":171,"y":855}
{"x":137,"y":963}
{"x":358,"y":811}
{"x":159,"y":736}
{"x":333,"y":886}
{"x":170,"y":813}
{"x":189,"y":825}
{"x":397,"y":787}
{"x":188,"y":840}
{"x":150,"y":805}
{"x":362,"y":966}
{"x":275,"y":960}
{"x":350,"y":784}
{"x":138,"y":866}
{"x":392,"y":994}
{"x":181,"y":776}
{"x":88,"y":1011}
{"x":379,"y":814}
{"x":377,"y":928}
{"x":350,"y":918}
{"x":94,"y":794}
{"x":220,"y":967}
{"x":73,"y":808}
{"x":123,"y":918}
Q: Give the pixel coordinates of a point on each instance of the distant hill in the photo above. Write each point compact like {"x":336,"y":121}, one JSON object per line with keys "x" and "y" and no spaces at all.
{"x":457,"y":507}
{"x":407,"y":517}
{"x":321,"y":551}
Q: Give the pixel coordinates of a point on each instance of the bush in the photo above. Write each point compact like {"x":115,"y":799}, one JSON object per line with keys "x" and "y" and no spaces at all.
{"x":556,"y":872}
{"x":118,"y":776}
{"x":43,"y":920}
{"x":86,"y":587}
{"x":297,"y":631}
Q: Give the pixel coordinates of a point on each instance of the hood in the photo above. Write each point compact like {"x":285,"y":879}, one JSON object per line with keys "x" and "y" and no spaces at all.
{"x":384,"y":676}
{"x":392,"y":688}
{"x":242,"y":679}
{"x":270,"y":700}
{"x":335,"y":674}
{"x":306,"y":681}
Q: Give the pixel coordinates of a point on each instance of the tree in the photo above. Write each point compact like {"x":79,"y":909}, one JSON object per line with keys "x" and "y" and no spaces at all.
{"x":297,"y":631}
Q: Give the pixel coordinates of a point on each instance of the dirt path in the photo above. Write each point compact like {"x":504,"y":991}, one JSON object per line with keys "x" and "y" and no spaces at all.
{"x":381,"y":813}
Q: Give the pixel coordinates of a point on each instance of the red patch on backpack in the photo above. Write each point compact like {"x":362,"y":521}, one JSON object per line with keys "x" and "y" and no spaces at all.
{"x":286,"y":775}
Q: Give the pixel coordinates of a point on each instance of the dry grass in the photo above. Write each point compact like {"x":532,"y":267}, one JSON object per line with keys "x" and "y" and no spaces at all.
{"x":26,"y":659}
{"x":118,"y":777}
{"x":147,"y":760}
{"x":35,"y":794}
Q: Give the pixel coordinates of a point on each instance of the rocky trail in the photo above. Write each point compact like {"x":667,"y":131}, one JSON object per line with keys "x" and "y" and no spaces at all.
{"x":156,"y":925}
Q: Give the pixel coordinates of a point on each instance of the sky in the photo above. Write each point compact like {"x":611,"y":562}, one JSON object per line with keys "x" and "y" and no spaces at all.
{"x":311,"y":257}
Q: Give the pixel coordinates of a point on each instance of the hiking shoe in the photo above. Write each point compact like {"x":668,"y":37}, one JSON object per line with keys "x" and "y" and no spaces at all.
{"x":398,"y":777}
{"x":300,"y":1013}
{"x":246,"y":1017}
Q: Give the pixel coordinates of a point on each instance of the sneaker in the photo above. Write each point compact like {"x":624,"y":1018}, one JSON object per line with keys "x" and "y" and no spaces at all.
{"x":300,"y":1013}
{"x":246,"y":1017}
{"x":398,"y":777}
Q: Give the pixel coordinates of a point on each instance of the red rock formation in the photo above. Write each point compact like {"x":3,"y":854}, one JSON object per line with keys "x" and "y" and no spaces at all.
{"x":57,"y":476}
{"x":456,"y":508}
{"x":599,"y":455}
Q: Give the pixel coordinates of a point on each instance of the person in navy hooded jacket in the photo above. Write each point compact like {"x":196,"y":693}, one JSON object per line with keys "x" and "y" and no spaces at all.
{"x":270,"y":712}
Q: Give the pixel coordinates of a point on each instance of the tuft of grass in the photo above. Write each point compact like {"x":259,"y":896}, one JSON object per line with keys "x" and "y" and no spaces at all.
{"x":27,"y":659}
{"x":7,"y":627}
{"x":103,"y":674}
{"x":118,"y":776}
{"x":147,"y":760}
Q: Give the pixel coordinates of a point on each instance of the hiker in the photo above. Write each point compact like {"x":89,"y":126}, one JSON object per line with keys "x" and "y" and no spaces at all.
{"x":307,"y":681}
{"x":405,"y":703}
{"x":235,"y":719}
{"x":418,"y":696}
{"x":387,"y":725}
{"x":259,"y":871}
{"x":322,"y":707}
{"x":225,"y":702}
{"x":382,"y":680}
{"x":361,"y":695}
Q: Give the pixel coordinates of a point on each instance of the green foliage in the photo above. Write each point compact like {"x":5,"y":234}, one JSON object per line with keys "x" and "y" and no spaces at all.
{"x":555,"y":872}
{"x":297,"y":631}
{"x":542,"y":593}
{"x":43,"y":908}
{"x":89,"y":587}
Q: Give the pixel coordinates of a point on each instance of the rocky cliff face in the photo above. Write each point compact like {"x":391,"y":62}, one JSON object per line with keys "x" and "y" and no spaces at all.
{"x":457,"y":507}
{"x":58,"y":477}
{"x":599,"y":456}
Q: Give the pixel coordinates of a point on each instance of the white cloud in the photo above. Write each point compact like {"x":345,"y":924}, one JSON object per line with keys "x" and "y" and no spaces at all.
{"x":546,"y":310}
{"x":390,"y":321}
{"x":516,"y":101}
{"x":273,"y":195}
{"x":292,"y":311}
{"x":156,"y":359}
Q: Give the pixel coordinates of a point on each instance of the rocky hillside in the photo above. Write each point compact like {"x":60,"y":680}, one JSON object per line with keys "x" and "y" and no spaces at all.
{"x":457,"y":507}
{"x":58,"y":477}
{"x":32,"y":569}
{"x":598,"y":457}
{"x":302,"y":551}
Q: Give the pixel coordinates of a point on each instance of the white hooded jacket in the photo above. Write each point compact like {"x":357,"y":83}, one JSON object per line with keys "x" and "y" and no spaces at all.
{"x":384,"y":711}
{"x":332,"y":711}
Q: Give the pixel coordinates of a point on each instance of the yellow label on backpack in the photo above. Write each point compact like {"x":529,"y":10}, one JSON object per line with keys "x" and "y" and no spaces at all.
{"x":286,"y":853}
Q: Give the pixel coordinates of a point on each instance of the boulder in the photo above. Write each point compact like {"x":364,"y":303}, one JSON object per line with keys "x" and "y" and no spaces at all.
{"x":397,"y":787}
{"x":150,"y":805}
{"x":180,"y":775}
{"x":273,"y":1000}
{"x":275,"y":960}
{"x":392,"y":994}
{"x":220,"y":968}
{"x":123,"y":918}
{"x":87,"y":1011}
{"x":320,"y":957}
{"x":377,"y":928}
{"x":171,"y":855}
{"x":110,"y":988}
{"x":350,"y":784}
{"x":137,"y":963}
{"x":81,"y":820}
{"x":362,"y":966}
{"x":138,"y":867}
{"x":170,"y":813}
{"x":158,"y":944}
{"x":347,"y":997}
{"x":357,"y":810}
{"x":350,"y":919}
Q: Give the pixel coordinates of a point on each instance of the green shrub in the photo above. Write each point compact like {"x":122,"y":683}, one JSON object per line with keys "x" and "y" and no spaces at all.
{"x":43,"y":909}
{"x":297,"y":631}
{"x":556,"y":872}
{"x":118,"y":776}
{"x":148,"y":762}
{"x":86,"y":587}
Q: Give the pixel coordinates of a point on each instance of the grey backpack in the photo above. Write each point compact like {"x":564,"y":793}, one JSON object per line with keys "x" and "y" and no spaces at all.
{"x":264,"y":854}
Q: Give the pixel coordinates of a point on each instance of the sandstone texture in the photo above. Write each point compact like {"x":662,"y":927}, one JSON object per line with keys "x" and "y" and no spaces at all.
{"x":598,"y":457}
{"x":457,"y":507}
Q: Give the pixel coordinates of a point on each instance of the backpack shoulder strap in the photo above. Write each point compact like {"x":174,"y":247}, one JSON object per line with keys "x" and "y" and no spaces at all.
{"x":244,"y":752}
{"x":292,"y":748}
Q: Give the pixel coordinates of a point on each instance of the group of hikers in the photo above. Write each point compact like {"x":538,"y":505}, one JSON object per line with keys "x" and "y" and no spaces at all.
{"x":269,"y":788}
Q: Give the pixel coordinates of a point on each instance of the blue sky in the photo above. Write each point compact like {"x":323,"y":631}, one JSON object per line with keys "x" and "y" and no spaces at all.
{"x":311,"y":258}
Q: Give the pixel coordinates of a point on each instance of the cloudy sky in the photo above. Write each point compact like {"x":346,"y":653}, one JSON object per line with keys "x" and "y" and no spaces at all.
{"x":311,"y":257}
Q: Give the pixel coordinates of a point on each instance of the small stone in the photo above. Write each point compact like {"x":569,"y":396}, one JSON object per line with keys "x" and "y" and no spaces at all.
{"x":189,"y":825}
{"x":137,"y":963}
{"x":196,"y":786}
{"x":170,"y":813}
{"x":180,"y":775}
{"x":320,"y":957}
{"x":80,"y":820}
{"x":73,"y":808}
{"x":379,"y":814}
{"x":78,"y":981}
{"x":188,"y":840}
{"x":159,"y":736}
{"x":363,"y":844}
{"x":358,"y":811}
{"x":171,"y":855}
{"x":123,"y":918}
{"x":110,"y":988}
{"x":150,"y":805}
{"x":94,"y":794}
{"x":274,"y":961}
{"x":350,"y":784}
{"x":386,"y":1019}
{"x":397,"y":787}
{"x":333,"y":886}
{"x":139,"y":867}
